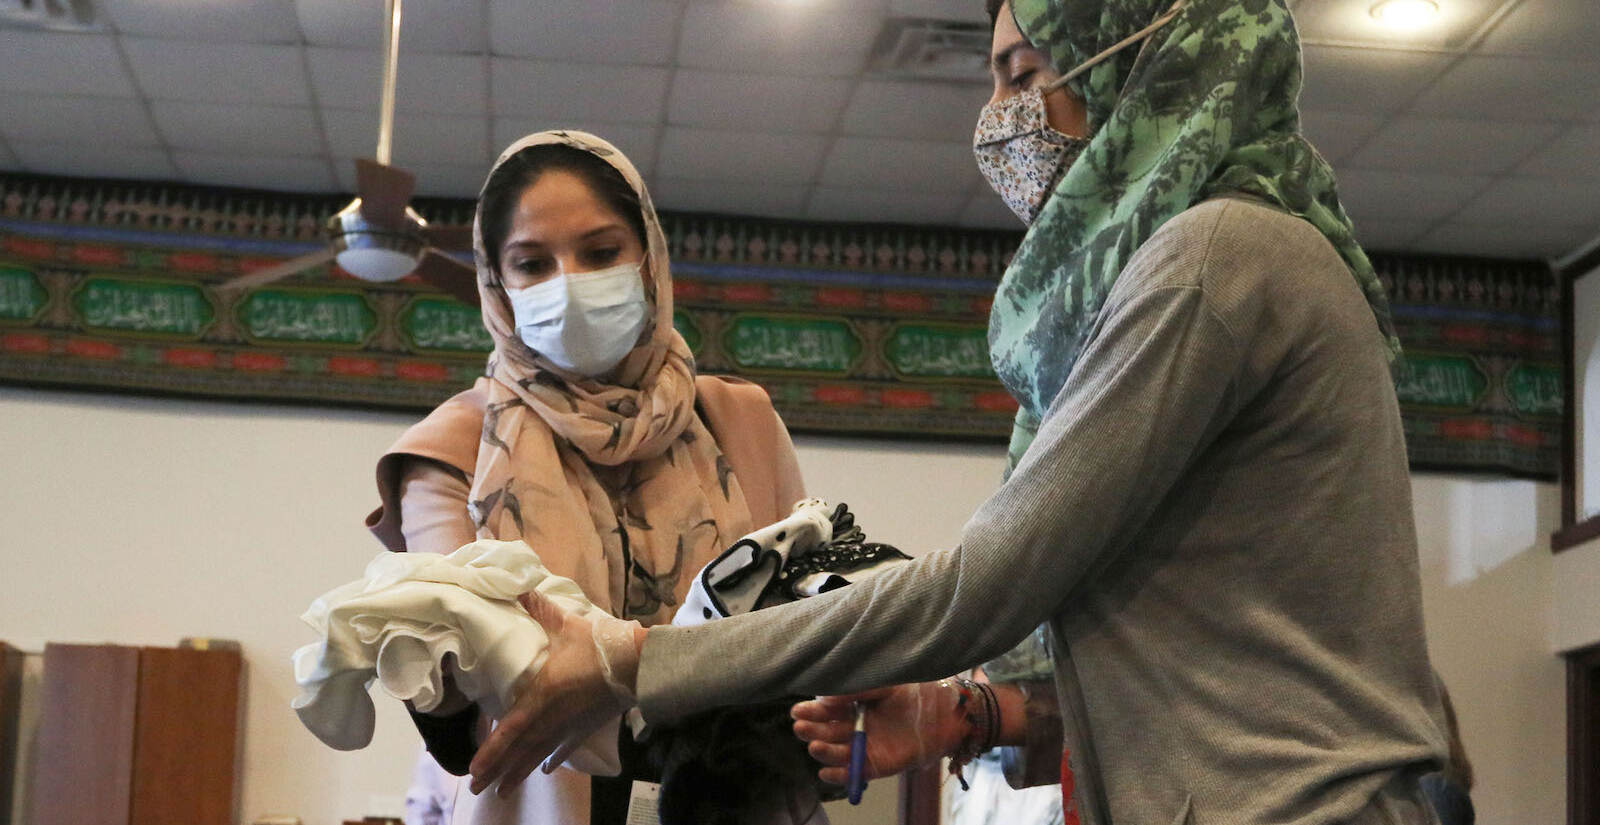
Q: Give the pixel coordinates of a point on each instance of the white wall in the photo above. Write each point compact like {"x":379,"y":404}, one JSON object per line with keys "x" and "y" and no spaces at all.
{"x":139,"y":521}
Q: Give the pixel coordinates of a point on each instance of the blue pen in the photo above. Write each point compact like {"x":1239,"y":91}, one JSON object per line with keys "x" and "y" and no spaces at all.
{"x":858,"y":757}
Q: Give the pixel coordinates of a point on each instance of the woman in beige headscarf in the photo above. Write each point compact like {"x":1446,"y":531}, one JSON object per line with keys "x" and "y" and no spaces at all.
{"x":590,"y":437}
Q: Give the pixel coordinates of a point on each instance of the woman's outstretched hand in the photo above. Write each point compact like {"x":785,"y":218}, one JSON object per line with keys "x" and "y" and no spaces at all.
{"x":908,"y":726}
{"x":586,"y":680}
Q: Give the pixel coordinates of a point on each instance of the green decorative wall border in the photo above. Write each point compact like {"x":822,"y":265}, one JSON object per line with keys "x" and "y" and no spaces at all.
{"x":1491,"y":324}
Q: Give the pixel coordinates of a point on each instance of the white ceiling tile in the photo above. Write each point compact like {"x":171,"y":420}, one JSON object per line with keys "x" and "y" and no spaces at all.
{"x":753,"y":199}
{"x":418,"y":138}
{"x":244,"y":130}
{"x":1390,"y":235}
{"x":1374,"y":81}
{"x":82,"y":160}
{"x":256,"y":172}
{"x":777,"y":103}
{"x":918,"y":111}
{"x":7,"y":159}
{"x":565,"y":93}
{"x":1464,"y":147}
{"x":1370,"y":194}
{"x":72,"y":119}
{"x":1550,"y":28}
{"x":1506,"y":240}
{"x":260,"y":21}
{"x":1512,"y":88}
{"x":1535,"y":200}
{"x":1576,"y":153}
{"x":1345,"y":21}
{"x":740,"y":156}
{"x":1337,"y":134}
{"x":986,"y":211}
{"x":636,"y":141}
{"x":904,"y":165}
{"x":434,"y":180}
{"x":966,"y":11}
{"x":791,"y":38}
{"x":62,"y":64}
{"x":218,"y":72}
{"x":425,"y":82}
{"x":589,"y":31}
{"x":871,"y":206}
{"x":454,"y":26}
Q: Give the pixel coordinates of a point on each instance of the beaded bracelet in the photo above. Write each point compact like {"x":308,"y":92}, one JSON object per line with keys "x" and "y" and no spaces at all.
{"x":978,"y":707}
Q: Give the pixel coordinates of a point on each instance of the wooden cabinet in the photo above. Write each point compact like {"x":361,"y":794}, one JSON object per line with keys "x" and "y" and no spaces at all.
{"x":137,"y":736}
{"x":10,"y":725}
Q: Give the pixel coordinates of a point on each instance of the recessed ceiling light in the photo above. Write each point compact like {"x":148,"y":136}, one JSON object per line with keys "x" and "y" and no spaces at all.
{"x":1405,"y":14}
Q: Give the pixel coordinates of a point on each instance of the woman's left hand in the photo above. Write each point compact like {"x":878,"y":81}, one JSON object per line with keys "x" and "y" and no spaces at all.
{"x":586,"y":680}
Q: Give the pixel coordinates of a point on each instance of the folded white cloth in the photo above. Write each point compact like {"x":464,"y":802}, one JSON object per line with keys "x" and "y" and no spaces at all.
{"x":397,"y":622}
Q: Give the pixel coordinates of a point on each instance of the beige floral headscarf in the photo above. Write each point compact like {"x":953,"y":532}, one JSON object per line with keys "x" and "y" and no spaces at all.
{"x":618,"y":486}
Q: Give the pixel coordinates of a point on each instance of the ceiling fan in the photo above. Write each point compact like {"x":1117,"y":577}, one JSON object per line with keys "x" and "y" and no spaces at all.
{"x":378,"y":236}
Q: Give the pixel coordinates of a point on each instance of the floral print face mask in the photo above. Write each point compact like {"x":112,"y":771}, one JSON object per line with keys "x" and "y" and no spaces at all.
{"x":1020,"y":155}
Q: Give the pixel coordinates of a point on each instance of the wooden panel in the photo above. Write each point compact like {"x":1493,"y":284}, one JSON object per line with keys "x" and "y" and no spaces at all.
{"x":10,"y":705}
{"x":1583,"y":736}
{"x":83,"y":772}
{"x":186,"y":745}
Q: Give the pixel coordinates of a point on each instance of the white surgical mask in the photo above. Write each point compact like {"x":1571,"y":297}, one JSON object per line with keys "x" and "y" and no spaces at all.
{"x":586,"y":322}
{"x":1019,"y":153}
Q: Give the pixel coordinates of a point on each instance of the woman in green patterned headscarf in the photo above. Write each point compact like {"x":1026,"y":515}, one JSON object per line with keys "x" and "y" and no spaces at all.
{"x":1209,"y":504}
{"x":1207,"y":107}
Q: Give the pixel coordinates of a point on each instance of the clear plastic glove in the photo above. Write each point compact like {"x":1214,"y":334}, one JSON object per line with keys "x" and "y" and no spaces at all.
{"x":587,"y":680}
{"x":908,"y":726}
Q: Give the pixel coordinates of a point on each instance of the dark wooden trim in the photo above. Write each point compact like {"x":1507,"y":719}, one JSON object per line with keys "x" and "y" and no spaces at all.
{"x":1572,"y":532}
{"x":10,"y":704}
{"x":1583,"y":736}
{"x":919,"y":796}
{"x":1583,"y":265}
{"x":1575,"y":534}
{"x":1569,"y":411}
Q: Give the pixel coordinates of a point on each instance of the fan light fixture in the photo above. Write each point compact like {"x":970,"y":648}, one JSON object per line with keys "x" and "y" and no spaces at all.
{"x":1405,"y":14}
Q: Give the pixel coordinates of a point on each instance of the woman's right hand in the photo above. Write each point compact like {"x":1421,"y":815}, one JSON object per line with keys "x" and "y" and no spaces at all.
{"x":908,"y":726}
{"x":586,"y":680}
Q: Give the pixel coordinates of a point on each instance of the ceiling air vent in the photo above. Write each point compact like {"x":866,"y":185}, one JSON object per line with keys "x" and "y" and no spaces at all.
{"x":921,"y":49}
{"x":55,"y":15}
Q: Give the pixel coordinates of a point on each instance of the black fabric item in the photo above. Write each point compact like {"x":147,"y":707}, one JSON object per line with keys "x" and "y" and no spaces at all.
{"x":450,"y":739}
{"x":1450,"y":801}
{"x":609,"y":795}
{"x":735,"y":765}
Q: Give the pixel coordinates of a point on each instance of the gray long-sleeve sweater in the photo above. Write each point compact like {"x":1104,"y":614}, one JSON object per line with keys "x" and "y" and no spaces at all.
{"x":1215,"y":519}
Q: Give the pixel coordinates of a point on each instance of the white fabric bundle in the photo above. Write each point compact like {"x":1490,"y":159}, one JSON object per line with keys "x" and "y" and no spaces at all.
{"x":397,"y":622}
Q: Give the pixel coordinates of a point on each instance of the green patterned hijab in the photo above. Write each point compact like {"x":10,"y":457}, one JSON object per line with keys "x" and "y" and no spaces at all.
{"x":1207,"y":107}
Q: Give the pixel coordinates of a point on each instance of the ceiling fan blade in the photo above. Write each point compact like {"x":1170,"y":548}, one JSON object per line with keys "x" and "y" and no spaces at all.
{"x":385,"y":191}
{"x":454,"y":277}
{"x":453,"y":238}
{"x":279,"y":271}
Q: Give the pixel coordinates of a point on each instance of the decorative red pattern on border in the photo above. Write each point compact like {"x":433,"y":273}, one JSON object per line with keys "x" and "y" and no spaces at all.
{"x":259,"y":362}
{"x":25,"y":342}
{"x":839,"y":395}
{"x":30,"y":248}
{"x":1467,"y":429}
{"x":995,"y":402}
{"x":358,"y":367}
{"x":96,"y":255}
{"x":907,"y":399}
{"x":86,"y":348}
{"x":419,"y":371}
